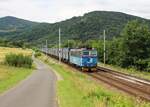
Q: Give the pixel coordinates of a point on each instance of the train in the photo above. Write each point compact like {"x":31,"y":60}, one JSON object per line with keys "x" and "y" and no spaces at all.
{"x":83,"y":58}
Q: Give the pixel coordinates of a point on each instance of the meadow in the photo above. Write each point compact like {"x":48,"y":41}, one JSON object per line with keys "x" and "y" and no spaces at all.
{"x":4,"y":51}
{"x":79,"y":90}
{"x":10,"y":76}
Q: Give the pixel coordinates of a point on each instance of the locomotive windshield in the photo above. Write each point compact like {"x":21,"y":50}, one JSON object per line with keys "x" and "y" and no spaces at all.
{"x":85,"y":53}
{"x":93,"y":53}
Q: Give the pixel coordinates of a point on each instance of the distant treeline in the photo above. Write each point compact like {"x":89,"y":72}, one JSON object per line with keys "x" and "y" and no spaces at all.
{"x":17,"y":44}
{"x":131,"y":49}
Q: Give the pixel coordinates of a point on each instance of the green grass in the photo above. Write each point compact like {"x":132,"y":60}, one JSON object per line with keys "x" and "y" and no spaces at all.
{"x":10,"y":76}
{"x":131,"y":71}
{"x":78,"y":90}
{"x":19,"y":60}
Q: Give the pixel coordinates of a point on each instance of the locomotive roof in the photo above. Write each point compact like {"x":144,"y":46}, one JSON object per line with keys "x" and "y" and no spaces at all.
{"x":81,"y":49}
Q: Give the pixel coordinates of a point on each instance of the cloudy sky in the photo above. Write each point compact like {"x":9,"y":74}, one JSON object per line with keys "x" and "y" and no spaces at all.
{"x":57,"y":10}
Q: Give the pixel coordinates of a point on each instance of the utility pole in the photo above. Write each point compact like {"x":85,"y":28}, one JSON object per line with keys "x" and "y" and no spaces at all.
{"x":59,"y":45}
{"x":68,"y":44}
{"x":104,"y":47}
{"x":42,"y":47}
{"x":46,"y":48}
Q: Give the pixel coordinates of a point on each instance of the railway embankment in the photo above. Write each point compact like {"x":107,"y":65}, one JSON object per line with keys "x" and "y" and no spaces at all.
{"x":79,"y":90}
{"x":129,"y":71}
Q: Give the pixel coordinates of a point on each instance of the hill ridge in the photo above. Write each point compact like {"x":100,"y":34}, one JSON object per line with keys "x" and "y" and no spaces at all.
{"x":88,"y":26}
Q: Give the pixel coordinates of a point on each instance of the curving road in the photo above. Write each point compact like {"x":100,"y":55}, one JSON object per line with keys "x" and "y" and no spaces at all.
{"x":38,"y":90}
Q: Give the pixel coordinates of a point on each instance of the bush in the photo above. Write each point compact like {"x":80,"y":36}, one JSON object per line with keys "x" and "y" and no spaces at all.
{"x":37,"y":54}
{"x":18,"y":60}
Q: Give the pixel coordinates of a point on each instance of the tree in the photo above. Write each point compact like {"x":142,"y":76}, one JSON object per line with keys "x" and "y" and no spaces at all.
{"x":70,"y":44}
{"x":113,"y":51}
{"x":136,"y":45}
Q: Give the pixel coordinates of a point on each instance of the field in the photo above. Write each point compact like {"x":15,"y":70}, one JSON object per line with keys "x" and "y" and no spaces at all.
{"x":10,"y":76}
{"x":79,"y":90}
{"x":131,"y":71}
{"x":4,"y":51}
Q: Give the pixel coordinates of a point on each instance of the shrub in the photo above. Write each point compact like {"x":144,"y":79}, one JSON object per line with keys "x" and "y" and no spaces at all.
{"x":18,"y":60}
{"x":37,"y":54}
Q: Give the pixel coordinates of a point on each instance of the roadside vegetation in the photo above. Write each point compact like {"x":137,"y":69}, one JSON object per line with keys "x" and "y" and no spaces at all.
{"x":37,"y":53}
{"x":18,"y":60}
{"x":79,"y":90}
{"x":11,"y":75}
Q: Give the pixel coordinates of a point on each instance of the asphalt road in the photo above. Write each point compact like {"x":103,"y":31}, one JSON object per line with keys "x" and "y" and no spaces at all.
{"x":38,"y":90}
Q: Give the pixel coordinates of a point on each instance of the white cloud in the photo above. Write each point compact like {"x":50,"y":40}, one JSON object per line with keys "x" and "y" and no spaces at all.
{"x":57,"y":10}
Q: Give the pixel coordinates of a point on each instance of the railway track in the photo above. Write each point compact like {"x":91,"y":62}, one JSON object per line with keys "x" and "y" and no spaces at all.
{"x":130,"y":84}
{"x":137,"y":87}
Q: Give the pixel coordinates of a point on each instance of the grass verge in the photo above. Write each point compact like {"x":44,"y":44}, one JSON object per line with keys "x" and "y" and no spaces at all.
{"x":78,"y":90}
{"x":10,"y":76}
{"x":130,"y":71}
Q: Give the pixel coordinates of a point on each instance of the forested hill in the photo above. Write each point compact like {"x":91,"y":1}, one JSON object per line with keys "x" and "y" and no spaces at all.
{"x":88,"y":26}
{"x":9,"y":24}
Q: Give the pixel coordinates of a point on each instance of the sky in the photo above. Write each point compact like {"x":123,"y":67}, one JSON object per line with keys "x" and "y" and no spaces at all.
{"x":57,"y":10}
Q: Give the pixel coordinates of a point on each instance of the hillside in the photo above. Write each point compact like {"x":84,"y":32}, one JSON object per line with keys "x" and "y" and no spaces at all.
{"x":11,"y":24}
{"x":88,"y":26}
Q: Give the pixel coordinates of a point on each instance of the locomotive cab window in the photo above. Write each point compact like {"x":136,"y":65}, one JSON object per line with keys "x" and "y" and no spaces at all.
{"x":93,"y":53}
{"x":85,"y":53}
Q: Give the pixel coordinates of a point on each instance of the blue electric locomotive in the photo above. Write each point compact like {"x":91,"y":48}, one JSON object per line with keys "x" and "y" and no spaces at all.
{"x":84,"y":58}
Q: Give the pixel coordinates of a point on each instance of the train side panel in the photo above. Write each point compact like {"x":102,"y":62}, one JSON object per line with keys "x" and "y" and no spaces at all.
{"x":75,"y":60}
{"x":65,"y":54}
